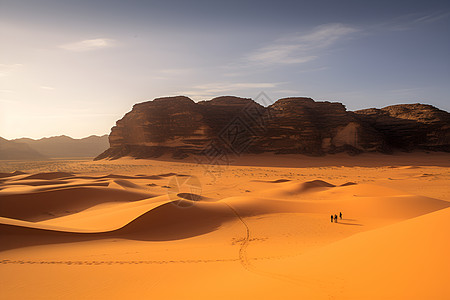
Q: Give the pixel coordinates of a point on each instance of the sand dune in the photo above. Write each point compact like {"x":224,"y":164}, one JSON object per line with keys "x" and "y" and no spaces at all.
{"x":393,"y":262}
{"x":163,"y":221}
{"x":48,"y":175}
{"x":15,"y":173}
{"x":256,"y":232}
{"x":357,"y":201}
{"x":192,"y":214}
{"x":42,"y":205}
{"x":289,"y":189}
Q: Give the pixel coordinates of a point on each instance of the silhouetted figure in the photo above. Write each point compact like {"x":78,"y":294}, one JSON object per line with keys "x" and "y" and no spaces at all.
{"x":335,"y":218}
{"x":340,"y":215}
{"x":331,"y":218}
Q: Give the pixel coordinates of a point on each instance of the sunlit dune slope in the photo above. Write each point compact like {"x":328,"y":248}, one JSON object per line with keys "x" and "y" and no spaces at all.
{"x":255,"y":232}
{"x":126,"y":209}
{"x":407,"y":260}
{"x":355,"y":200}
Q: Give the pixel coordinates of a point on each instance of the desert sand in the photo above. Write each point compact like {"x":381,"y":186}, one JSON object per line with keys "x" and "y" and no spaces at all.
{"x":257,"y":227}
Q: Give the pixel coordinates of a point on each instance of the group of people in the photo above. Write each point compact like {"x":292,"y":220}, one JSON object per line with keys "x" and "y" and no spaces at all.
{"x":335,"y":217}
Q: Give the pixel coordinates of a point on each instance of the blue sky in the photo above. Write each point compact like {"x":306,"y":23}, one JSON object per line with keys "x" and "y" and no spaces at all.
{"x":75,"y":67}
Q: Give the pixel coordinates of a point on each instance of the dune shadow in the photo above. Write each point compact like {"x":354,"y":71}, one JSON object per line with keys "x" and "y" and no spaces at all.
{"x":14,"y":237}
{"x":48,"y":176}
{"x":37,"y":183}
{"x":15,"y":173}
{"x":273,"y":181}
{"x":354,"y":224}
{"x":118,"y":176}
{"x":175,"y":220}
{"x":194,"y":197}
{"x":167,"y":222}
{"x":46,"y":204}
{"x":169,"y":174}
{"x":74,"y":185}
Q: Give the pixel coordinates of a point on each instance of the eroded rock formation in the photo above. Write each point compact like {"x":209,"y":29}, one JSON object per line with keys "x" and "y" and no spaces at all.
{"x":410,"y":126}
{"x":181,"y":127}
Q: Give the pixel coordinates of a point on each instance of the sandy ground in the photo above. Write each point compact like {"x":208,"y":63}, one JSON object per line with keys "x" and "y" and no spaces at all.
{"x":254,"y":227}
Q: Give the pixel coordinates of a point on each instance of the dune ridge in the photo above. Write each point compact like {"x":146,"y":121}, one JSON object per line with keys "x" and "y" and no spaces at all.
{"x":157,"y":217}
{"x":262,"y":230}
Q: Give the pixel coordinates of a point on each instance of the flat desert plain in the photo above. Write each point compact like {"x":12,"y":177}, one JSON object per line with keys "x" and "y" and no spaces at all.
{"x":256,"y":227}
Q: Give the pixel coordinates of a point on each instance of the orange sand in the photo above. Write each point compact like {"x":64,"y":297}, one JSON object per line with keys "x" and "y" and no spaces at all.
{"x":258,"y":229}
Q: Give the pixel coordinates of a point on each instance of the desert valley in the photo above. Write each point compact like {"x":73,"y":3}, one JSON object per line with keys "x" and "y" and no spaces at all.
{"x":260,"y":226}
{"x":235,"y":149}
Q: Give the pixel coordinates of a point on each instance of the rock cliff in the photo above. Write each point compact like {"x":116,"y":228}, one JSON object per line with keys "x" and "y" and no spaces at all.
{"x":410,"y":126}
{"x":181,"y":127}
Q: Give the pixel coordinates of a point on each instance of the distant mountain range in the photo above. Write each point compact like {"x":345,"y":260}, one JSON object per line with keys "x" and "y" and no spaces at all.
{"x":12,"y":150}
{"x":52,"y":147}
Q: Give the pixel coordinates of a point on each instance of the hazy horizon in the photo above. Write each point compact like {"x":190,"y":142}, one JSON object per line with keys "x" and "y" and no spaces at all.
{"x":71,"y":68}
{"x":55,"y":136}
{"x":97,"y":135}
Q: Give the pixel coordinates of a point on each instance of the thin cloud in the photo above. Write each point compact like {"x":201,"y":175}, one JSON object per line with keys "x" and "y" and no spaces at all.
{"x":48,"y":88}
{"x":89,"y":45}
{"x":431,"y":18}
{"x":8,"y":69}
{"x":409,"y":21}
{"x":300,"y":48}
